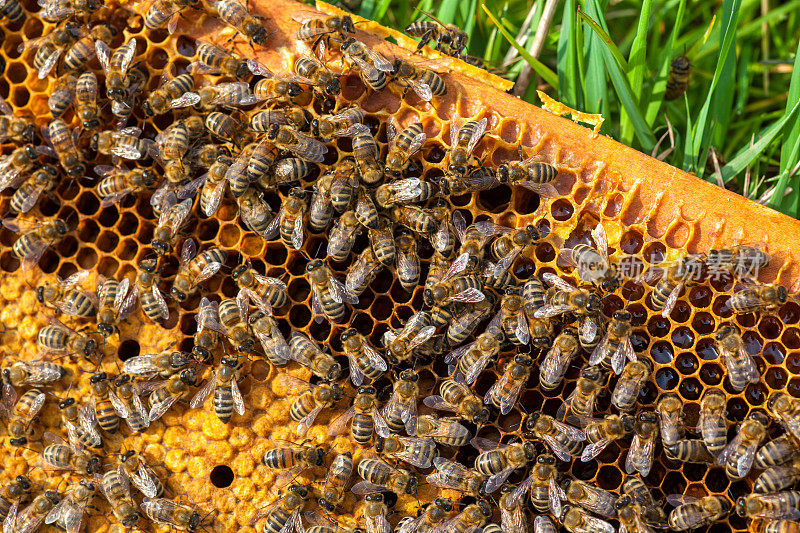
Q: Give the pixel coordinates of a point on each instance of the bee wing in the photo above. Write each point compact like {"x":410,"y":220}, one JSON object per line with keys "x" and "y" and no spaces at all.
{"x":495,"y":481}
{"x":365,"y":487}
{"x":144,"y":482}
{"x":185,"y":100}
{"x":476,"y":135}
{"x":593,"y":450}
{"x":458,"y":353}
{"x":87,"y":417}
{"x":158,"y":409}
{"x":471,"y":295}
{"x":505,"y":262}
{"x":554,"y":496}
{"x":258,"y":69}
{"x":10,"y":522}
{"x":749,"y":366}
{"x":636,"y":445}
{"x":422,"y":89}
{"x":36,"y":405}
{"x":411,"y":417}
{"x":338,"y":290}
{"x":49,"y":64}
{"x":128,"y":53}
{"x":676,"y":500}
{"x":380,"y":62}
{"x":188,"y":251}
{"x":167,"y":202}
{"x":130,"y":302}
{"x":160,"y":302}
{"x":155,"y":507}
{"x":558,"y":283}
{"x":215,"y":198}
{"x":356,"y":376}
{"x":316,"y":306}
{"x":671,"y":300}
{"x":459,"y":224}
{"x":475,"y":370}
{"x":120,"y":407}
{"x":37,"y":249}
{"x":297,"y":234}
{"x":307,"y":421}
{"x":238,"y":401}
{"x":5,"y":109}
{"x":437,"y":402}
{"x":202,"y":395}
{"x":190,"y":189}
{"x":339,"y":424}
{"x":522,"y":330}
{"x":458,"y":265}
{"x":599,"y":526}
{"x":745,"y":462}
{"x":56,"y":512}
{"x":209,"y":270}
{"x":103,"y":53}
{"x":308,"y":148}
{"x":381,"y":427}
{"x":543,"y":524}
{"x":139,"y":408}
{"x":601,"y":240}
{"x":508,"y":399}
{"x":589,"y":330}
{"x":648,"y":448}
{"x":375,"y":358}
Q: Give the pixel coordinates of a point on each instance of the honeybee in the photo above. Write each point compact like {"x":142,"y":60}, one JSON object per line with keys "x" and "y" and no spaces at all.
{"x":777,"y":451}
{"x":285,"y":514}
{"x":449,"y":38}
{"x":666,"y":292}
{"x":172,"y":94}
{"x":13,"y":166}
{"x":532,"y":174}
{"x":345,"y":123}
{"x":178,"y":516}
{"x":312,"y":400}
{"x":63,"y":95}
{"x":17,"y":129}
{"x":362,"y":272}
{"x":81,"y":424}
{"x":430,"y":518}
{"x":463,"y":139}
{"x":382,"y":242}
{"x":223,"y":94}
{"x":303,"y":146}
{"x":645,"y":434}
{"x":294,"y":458}
{"x":616,"y":345}
{"x":165,"y":393}
{"x":124,"y":143}
{"x":505,"y":392}
{"x":579,"y":406}
{"x":564,"y":297}
{"x":400,"y":344}
{"x":239,"y":17}
{"x":116,"y":67}
{"x":420,"y":76}
{"x":678,"y":81}
{"x":66,"y":297}
{"x":454,"y":286}
{"x":58,"y":455}
{"x":328,"y":294}
{"x":631,"y":515}
{"x":592,"y":262}
{"x":541,"y":524}
{"x":317,"y":75}
{"x":408,"y":264}
{"x":366,"y":211}
{"x":163,"y":365}
{"x":777,"y":478}
{"x":546,"y":494}
{"x":445,"y":431}
{"x":62,"y":139}
{"x":320,"y":211}
{"x":290,"y":219}
{"x":498,"y":460}
{"x":781,"y":526}
{"x":554,"y":366}
{"x":689,"y":451}
{"x":670,"y":415}
{"x":576,"y":520}
{"x":173,"y":217}
{"x":146,"y":289}
{"x":194,"y":268}
{"x":212,"y":59}
{"x":133,"y":466}
{"x":227,"y":397}
{"x":778,"y":505}
{"x":69,"y":511}
{"x":264,"y":291}
{"x":233,"y":319}
{"x":473,"y":358}
{"x":740,"y":452}
{"x":168,"y":11}
{"x":512,"y":507}
{"x":228,"y":128}
{"x":753,"y":298}
{"x":402,"y":147}
{"x":16,"y":491}
{"x":401,"y":409}
{"x":601,"y":433}
{"x":740,"y":365}
{"x":591,"y":498}
{"x":743,"y":262}
{"x":128,"y":405}
{"x":458,"y":398}
{"x":21,"y":413}
{"x":29,"y":519}
{"x":272,"y":340}
{"x":367,"y":157}
{"x":307,"y":353}
{"x":786,"y":410}
{"x":378,"y":476}
{"x":365,"y":361}
{"x":319,"y":28}
{"x":473,"y":517}
{"x":415,"y":451}
{"x":362,"y":413}
{"x":63,"y":9}
{"x":628,"y":387}
{"x":255,"y":212}
{"x":50,"y":46}
{"x":371,"y":66}
{"x":463,"y":321}
{"x":563,"y":440}
{"x":116,"y":489}
{"x":118,"y":182}
{"x":13,"y":11}
{"x":652,"y":513}
{"x":712,"y":424}
{"x":42,"y":180}
{"x":336,"y":481}
{"x":692,"y":513}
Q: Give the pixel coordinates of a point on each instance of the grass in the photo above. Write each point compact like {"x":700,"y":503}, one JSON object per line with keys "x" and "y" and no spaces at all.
{"x":614,"y":57}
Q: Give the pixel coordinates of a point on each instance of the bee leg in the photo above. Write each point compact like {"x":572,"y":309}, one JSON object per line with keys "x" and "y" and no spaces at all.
{"x":425,"y":39}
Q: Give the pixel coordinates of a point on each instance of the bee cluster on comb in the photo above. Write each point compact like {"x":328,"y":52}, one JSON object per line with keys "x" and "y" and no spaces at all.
{"x":285,"y":295}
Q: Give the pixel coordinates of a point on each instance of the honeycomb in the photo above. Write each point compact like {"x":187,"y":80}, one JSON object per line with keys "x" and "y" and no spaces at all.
{"x":647,"y":208}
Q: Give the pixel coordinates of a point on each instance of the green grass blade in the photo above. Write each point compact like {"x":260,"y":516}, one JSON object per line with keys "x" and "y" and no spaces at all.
{"x":568,"y":57}
{"x":540,"y":68}
{"x":723,"y":96}
{"x":636,"y":69}
{"x":594,"y":79}
{"x":789,"y":150}
{"x":467,"y":10}
{"x":688,"y":146}
{"x":657,"y":94}
{"x":743,"y":79}
{"x":602,"y":33}
{"x":447,"y":11}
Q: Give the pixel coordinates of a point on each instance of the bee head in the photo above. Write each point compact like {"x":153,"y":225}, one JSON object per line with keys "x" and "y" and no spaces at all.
{"x":458,"y":170}
{"x":482,"y":417}
{"x":63,"y":404}
{"x":116,"y":94}
{"x":178,"y":295}
{"x":379,"y":444}
{"x":77,"y":171}
{"x":93,"y":141}
{"x":96,"y":378}
{"x":325,"y":504}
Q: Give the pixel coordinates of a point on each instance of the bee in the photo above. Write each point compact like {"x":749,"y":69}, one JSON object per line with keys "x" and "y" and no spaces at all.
{"x":401,"y":409}
{"x":362,"y":413}
{"x":272,"y":89}
{"x":233,"y":319}
{"x":303,"y":146}
{"x":16,"y":163}
{"x":173,"y":143}
{"x":63,"y":95}
{"x":576,"y":520}
{"x":504,"y":393}
{"x":473,"y":358}
{"x":579,"y":406}
{"x":541,"y":524}
{"x":69,"y":511}
{"x":21,"y":413}
{"x":222,"y":94}
{"x":166,"y":392}
{"x":652,"y":513}
{"x":458,"y":398}
{"x":317,"y":75}
{"x":213,"y":187}
{"x":146,"y":288}
{"x":546,"y":494}
{"x":290,"y":219}
{"x":133,"y":466}
{"x":295,"y":458}
{"x":84,"y":49}
{"x":645,"y":434}
{"x":265,"y":292}
{"x":781,"y":526}
{"x":285,"y":514}
{"x":29,"y":519}
{"x":402,"y":147}
{"x":124,"y":143}
{"x":474,"y":516}
{"x":778,"y":505}
{"x":585,"y":303}
{"x":777,"y":451}
{"x":376,"y":513}
{"x":81,"y":424}
{"x":712,"y":424}
{"x":777,"y":478}
{"x":463,"y":321}
{"x":329,"y":295}
{"x":786,"y":410}
{"x":630,"y":515}
{"x":616,"y":345}
{"x":116,"y":67}
{"x":445,"y":431}
{"x":312,"y":400}
{"x":554,"y":366}
{"x":367,"y":157}
{"x":415,"y":218}
{"x":320,"y":211}
{"x":740,"y":452}
{"x":415,"y":451}
{"x":507,"y":247}
{"x":591,"y":498}
{"x":128,"y":405}
{"x":455,"y":286}
{"x":444,"y":240}
{"x":362,"y":272}
{"x":255,"y":212}
{"x":634,"y":375}
{"x":212,"y":59}
{"x":175,"y":93}
{"x":13,"y":11}
{"x":319,"y":28}
{"x":512,"y":322}
{"x":532,"y":174}
{"x":601,"y":433}
{"x":449,"y":38}
{"x":62,"y":140}
{"x":431,"y":518}
{"x":58,"y":455}
{"x":420,"y":76}
{"x":408,"y":264}
{"x":592,"y":262}
{"x":670,"y":415}
{"x":371,"y":66}
{"x":165,"y":11}
{"x":463,"y":139}
{"x":498,"y":460}
{"x":227,"y":397}
{"x":743,"y":262}
{"x":740,"y":365}
{"x":85,"y":104}
{"x":64,"y":296}
{"x":228,"y":129}
{"x":563,"y":440}
{"x":16,"y":129}
{"x":180,"y":517}
{"x":287,"y":170}
{"x":678,"y":81}
{"x":692,"y":513}
{"x":753,"y":298}
{"x":307,"y":353}
{"x":666,"y":292}
{"x":173,"y":217}
{"x":336,"y":481}
{"x":402,"y":191}
{"x":365,"y":361}
{"x":512,"y":507}
{"x":194,"y":269}
{"x":345,"y":123}
{"x":454,"y":476}
{"x":379,"y":476}
{"x":689,"y":451}
{"x":50,"y":46}
{"x":116,"y":489}
{"x":42,"y":180}
{"x":118,"y":182}
{"x":239,"y":17}
{"x":275,"y":346}
{"x":17,"y":491}
{"x":62,"y":9}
